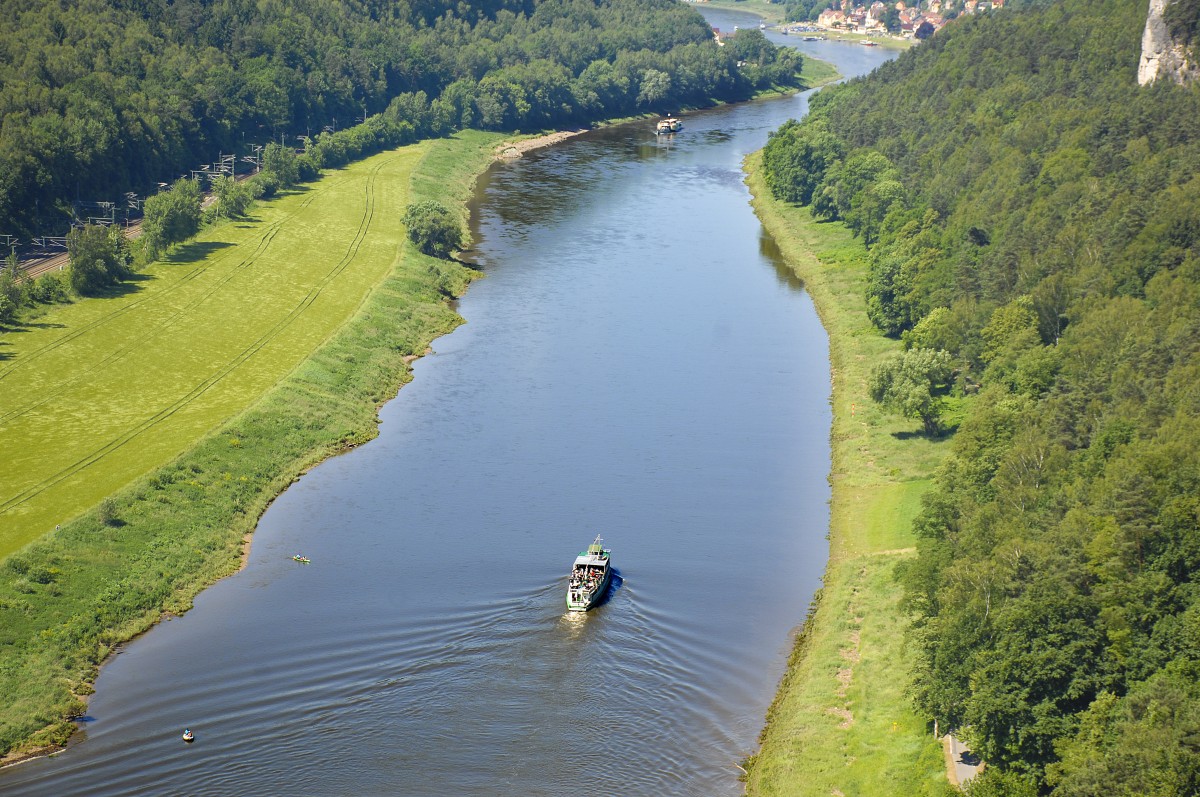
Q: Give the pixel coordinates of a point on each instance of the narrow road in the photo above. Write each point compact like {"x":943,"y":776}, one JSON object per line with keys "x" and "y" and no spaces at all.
{"x":961,"y":763}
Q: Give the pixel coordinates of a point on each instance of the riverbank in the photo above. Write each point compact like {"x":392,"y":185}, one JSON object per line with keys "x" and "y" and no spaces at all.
{"x":841,"y":723}
{"x":507,"y":150}
{"x":71,"y":598}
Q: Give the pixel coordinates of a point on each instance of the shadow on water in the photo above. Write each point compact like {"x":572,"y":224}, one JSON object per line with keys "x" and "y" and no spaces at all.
{"x":716,"y":136}
{"x":550,"y":193}
{"x":769,"y":249}
{"x":614,"y":585}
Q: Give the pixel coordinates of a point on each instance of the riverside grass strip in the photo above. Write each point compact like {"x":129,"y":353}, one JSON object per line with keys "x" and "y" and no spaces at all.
{"x":69,"y":598}
{"x":841,"y":723}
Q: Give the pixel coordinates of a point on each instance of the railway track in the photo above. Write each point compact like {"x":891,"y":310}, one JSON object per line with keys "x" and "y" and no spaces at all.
{"x":44,"y":263}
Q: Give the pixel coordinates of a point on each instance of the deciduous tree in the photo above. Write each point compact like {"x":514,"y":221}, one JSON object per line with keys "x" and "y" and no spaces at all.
{"x":433,"y":228}
{"x":171,"y":217}
{"x":98,"y":257}
{"x":912,"y":384}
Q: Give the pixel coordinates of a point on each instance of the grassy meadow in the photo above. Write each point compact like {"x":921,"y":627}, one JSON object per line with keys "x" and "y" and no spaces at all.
{"x":840,"y":723}
{"x":97,"y":393}
{"x":156,"y":424}
{"x":816,"y":72}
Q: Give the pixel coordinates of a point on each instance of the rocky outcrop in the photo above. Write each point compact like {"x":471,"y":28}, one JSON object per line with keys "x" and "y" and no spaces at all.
{"x":1162,"y":56}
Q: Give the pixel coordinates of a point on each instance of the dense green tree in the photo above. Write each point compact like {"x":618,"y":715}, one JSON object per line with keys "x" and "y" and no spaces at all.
{"x":796,"y":158}
{"x":10,"y":292}
{"x":1146,"y":744}
{"x":654,"y":88}
{"x":98,"y":257}
{"x":232,"y":197}
{"x":171,"y":217}
{"x":280,"y":162}
{"x":806,"y":10}
{"x":751,"y":46}
{"x":891,"y":19}
{"x":1182,"y":18}
{"x":1048,"y":239}
{"x":433,"y":228}
{"x":912,"y":384}
{"x":101,"y":98}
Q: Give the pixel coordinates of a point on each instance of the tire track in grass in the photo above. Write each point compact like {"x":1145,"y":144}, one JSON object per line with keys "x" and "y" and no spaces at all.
{"x":215,"y":378}
{"x":22,"y":361}
{"x":133,"y":344}
{"x":26,"y":359}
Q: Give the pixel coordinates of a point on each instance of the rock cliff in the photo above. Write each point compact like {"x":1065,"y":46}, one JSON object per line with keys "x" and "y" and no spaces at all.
{"x":1162,"y":56}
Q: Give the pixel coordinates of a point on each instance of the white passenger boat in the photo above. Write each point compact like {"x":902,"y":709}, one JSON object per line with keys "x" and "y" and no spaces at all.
{"x":668,"y":125}
{"x":590,"y":578}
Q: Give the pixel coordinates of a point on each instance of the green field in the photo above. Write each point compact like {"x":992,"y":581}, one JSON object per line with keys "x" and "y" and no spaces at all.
{"x":257,"y":351}
{"x":95,"y":394}
{"x":841,"y":723}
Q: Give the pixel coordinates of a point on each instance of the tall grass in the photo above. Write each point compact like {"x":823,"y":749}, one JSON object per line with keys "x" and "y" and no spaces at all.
{"x":69,"y":597}
{"x":840,"y":723}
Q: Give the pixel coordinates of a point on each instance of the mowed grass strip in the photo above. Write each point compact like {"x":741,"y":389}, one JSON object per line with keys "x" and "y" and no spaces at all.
{"x":841,"y":723}
{"x":100,"y":392}
{"x":67,"y":599}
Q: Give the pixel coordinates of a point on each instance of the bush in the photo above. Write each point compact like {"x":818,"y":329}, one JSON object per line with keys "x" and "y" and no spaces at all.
{"x":263,"y":185}
{"x":280,"y":162}
{"x":170,"y":217}
{"x":433,"y":228}
{"x":108,"y":512}
{"x":99,"y":257}
{"x":232,"y":197}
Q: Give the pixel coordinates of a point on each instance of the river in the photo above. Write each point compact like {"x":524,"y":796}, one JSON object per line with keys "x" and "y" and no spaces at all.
{"x":638,"y":364}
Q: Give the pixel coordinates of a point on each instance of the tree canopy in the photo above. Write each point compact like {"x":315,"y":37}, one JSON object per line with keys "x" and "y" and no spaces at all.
{"x":100,"y":98}
{"x":98,"y":256}
{"x":433,"y":228}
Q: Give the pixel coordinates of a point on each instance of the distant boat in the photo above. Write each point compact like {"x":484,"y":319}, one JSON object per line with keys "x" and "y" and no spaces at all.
{"x":301,"y":559}
{"x":668,"y":125}
{"x":869,"y":44}
{"x":188,"y":736}
{"x":591,"y":576}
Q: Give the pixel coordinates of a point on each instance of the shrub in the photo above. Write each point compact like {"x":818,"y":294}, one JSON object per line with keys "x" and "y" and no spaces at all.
{"x":108,"y":512}
{"x":433,"y":228}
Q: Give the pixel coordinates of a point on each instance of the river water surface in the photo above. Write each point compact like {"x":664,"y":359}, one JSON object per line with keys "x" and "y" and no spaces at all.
{"x":636,"y":364}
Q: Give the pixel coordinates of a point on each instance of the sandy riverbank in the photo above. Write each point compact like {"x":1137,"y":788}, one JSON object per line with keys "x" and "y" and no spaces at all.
{"x":510,"y":150}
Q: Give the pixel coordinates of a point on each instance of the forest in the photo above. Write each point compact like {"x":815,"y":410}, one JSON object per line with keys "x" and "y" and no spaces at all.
{"x":100,"y":98}
{"x":1031,"y":220}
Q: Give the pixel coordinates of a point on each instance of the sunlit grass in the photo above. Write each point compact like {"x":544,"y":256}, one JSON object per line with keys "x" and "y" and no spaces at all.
{"x":103,"y":391}
{"x":816,"y":72}
{"x":841,"y":723}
